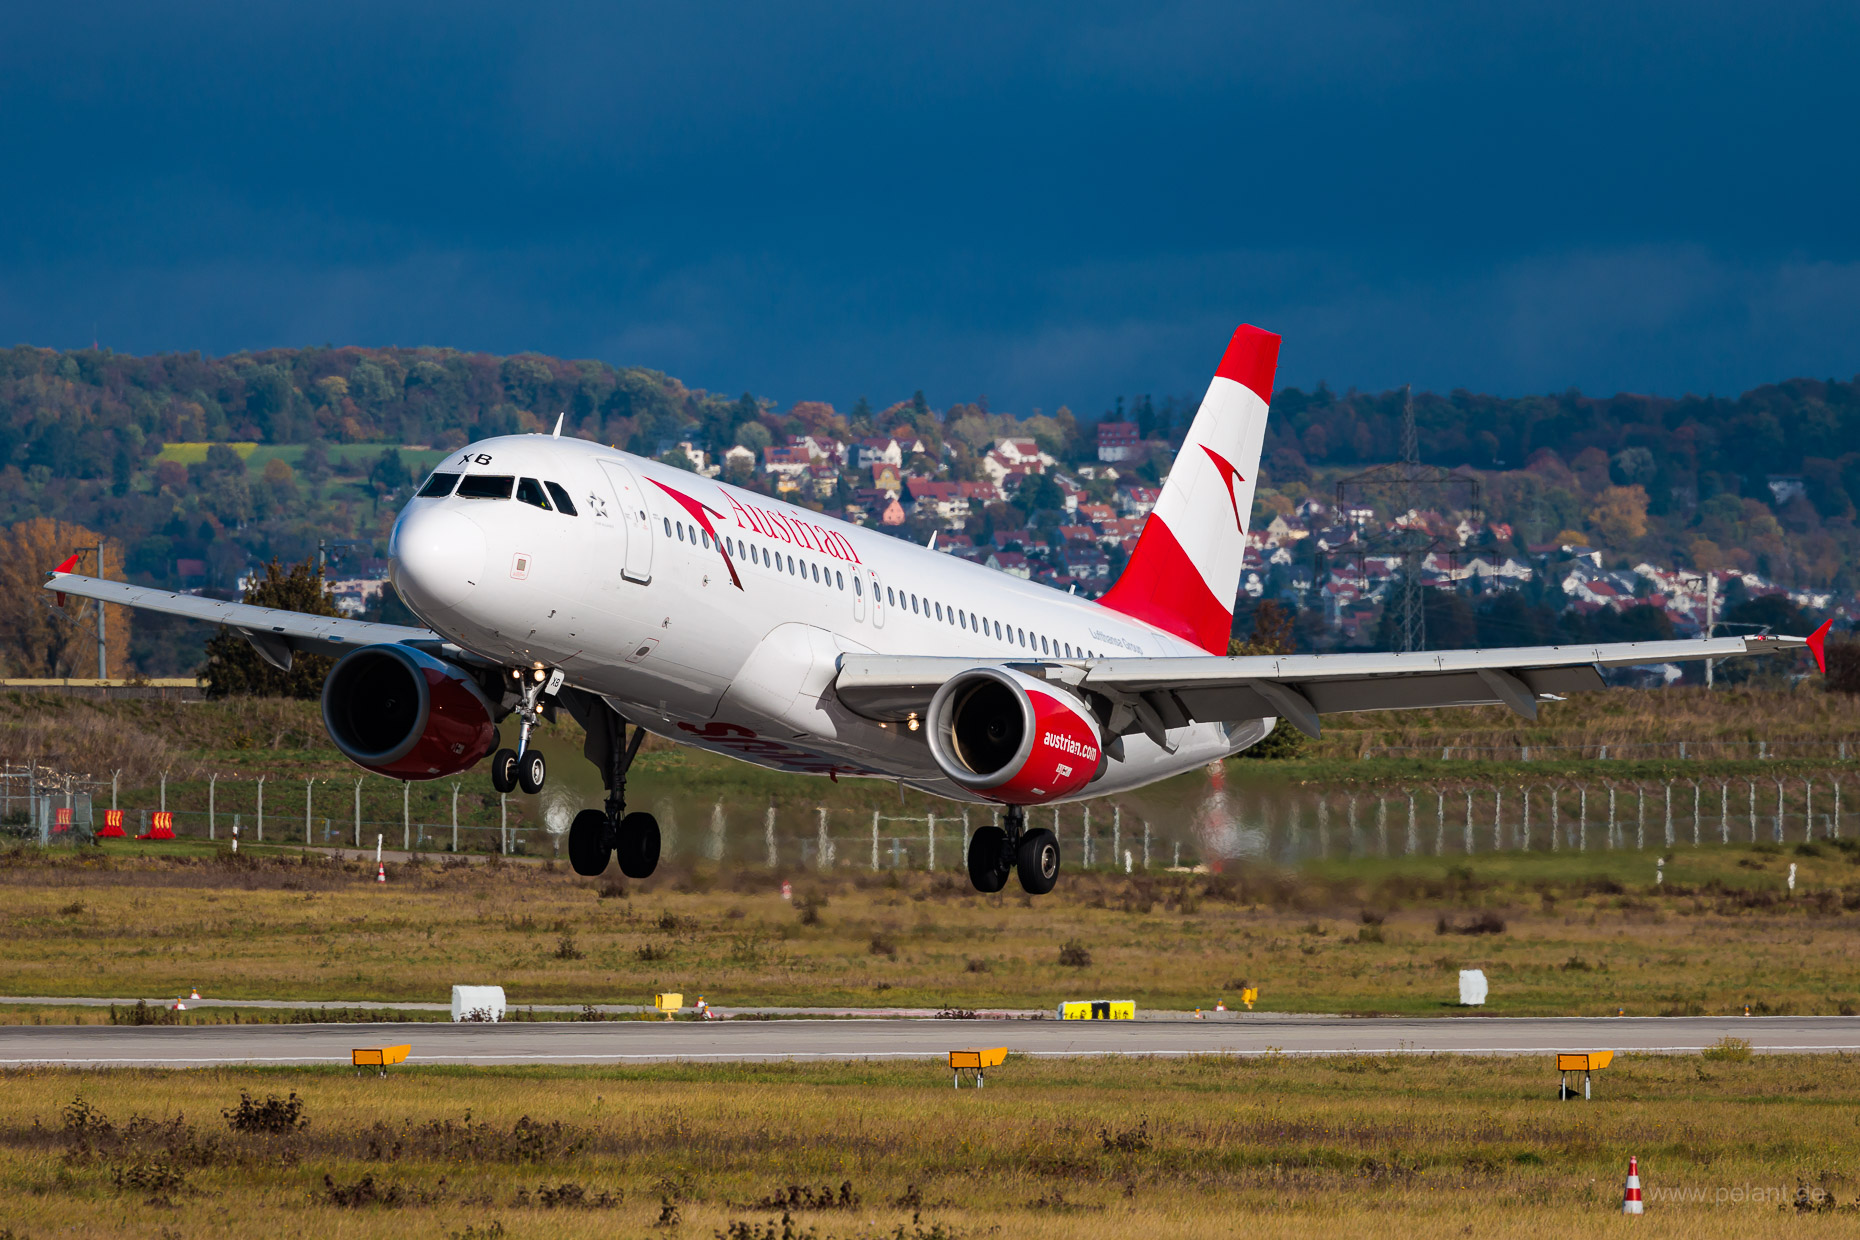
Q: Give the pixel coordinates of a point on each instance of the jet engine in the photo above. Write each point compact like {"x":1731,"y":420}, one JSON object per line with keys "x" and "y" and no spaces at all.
{"x":398,"y":711}
{"x":1013,"y":737}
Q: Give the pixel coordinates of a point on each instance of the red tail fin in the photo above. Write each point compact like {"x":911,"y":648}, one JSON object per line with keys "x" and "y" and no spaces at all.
{"x":1186,"y":569}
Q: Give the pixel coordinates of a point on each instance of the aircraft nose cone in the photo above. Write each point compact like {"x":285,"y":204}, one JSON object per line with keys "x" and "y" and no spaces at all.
{"x":438,"y":556}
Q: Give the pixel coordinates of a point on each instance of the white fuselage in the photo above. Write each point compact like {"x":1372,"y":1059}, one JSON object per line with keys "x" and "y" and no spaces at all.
{"x":731,"y":643}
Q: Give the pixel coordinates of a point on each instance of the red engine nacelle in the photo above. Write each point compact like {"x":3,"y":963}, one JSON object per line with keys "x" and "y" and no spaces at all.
{"x":399,"y":711}
{"x":1012,"y":737}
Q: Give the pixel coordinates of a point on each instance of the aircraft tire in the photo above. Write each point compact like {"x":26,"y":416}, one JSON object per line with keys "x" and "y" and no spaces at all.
{"x":532,"y":772}
{"x":1038,"y":861}
{"x":638,"y":845}
{"x":989,"y":861}
{"x":504,"y":771}
{"x":588,"y":852}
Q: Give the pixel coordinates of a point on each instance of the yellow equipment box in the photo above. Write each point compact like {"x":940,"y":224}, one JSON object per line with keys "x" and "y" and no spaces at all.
{"x":668,"y":1003}
{"x":1099,"y":1009}
{"x":1587,"y":1061}
{"x":977,"y":1060}
{"x":379,"y":1056}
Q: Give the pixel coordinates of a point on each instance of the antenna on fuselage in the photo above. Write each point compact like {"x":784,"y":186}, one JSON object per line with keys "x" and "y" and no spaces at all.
{"x":557,"y":432}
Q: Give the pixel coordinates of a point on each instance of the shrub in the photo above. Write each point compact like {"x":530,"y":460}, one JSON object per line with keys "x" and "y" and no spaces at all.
{"x":273,"y":1116}
{"x":565,"y":948}
{"x":1074,"y":956}
{"x":1727,"y":1050}
{"x":882,"y":946}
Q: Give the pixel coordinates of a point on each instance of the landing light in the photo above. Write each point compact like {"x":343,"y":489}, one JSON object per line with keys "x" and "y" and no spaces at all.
{"x":539,"y":673}
{"x":911,"y":722}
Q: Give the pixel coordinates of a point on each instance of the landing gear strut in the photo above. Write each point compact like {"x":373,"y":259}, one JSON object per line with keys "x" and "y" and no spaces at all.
{"x":595,"y":835}
{"x":994,"y":852}
{"x":523,"y":767}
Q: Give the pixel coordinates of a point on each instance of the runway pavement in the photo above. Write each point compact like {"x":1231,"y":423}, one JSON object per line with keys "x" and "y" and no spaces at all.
{"x":631,"y":1042}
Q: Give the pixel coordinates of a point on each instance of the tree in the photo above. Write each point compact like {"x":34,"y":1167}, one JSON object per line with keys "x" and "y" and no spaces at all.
{"x":1619,"y":516}
{"x":35,"y":640}
{"x":234,"y":668}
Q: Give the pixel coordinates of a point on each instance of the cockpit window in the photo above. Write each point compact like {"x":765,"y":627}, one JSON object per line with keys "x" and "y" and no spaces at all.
{"x":486,"y":486}
{"x":530,"y":492}
{"x":438,"y":486}
{"x":562,"y":502}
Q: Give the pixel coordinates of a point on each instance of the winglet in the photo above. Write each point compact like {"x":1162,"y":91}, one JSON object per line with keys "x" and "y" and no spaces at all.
{"x":68,"y":565}
{"x":1818,"y":645}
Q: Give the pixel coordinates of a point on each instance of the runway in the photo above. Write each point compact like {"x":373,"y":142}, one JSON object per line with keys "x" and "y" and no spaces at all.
{"x":640,"y":1042}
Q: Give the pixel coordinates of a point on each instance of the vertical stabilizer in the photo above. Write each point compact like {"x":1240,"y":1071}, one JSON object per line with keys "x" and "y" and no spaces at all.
{"x":1186,"y":569}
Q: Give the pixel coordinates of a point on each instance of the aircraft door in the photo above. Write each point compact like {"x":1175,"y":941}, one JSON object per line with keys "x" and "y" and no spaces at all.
{"x":878,"y":598}
{"x":632,"y":514}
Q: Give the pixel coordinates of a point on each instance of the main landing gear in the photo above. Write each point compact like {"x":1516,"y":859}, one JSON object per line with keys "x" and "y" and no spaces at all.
{"x":1031,"y":854}
{"x":595,"y":835}
{"x":524,"y":767}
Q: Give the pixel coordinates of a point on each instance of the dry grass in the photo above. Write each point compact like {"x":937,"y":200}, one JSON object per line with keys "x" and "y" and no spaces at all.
{"x":1283,"y":1147}
{"x":1562,"y":934}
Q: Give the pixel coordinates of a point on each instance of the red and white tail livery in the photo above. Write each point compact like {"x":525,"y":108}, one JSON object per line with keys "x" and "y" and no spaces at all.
{"x":1186,"y":569}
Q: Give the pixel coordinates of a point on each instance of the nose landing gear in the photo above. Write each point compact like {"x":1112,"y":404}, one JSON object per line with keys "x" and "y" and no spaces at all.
{"x":995,"y":852}
{"x":522,"y":767}
{"x":595,"y":834}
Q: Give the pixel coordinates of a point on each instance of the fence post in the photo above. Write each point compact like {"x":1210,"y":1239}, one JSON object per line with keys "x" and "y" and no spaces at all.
{"x":406,"y":815}
{"x":768,"y":831}
{"x":1524,"y":827}
{"x":259,"y":835}
{"x":164,"y":790}
{"x":114,"y":775}
{"x":930,"y":823}
{"x":1498,"y":819}
{"x":965,"y":841}
{"x":1382,"y":825}
{"x":1469,"y":833}
{"x":1117,"y":831}
{"x":823,"y":847}
{"x":1640,"y":816}
{"x":455,"y":817}
{"x":212,"y":781}
{"x":1836,"y":824}
{"x":309,"y":830}
{"x":1414,"y":831}
{"x":1323,"y":817}
{"x":1779,"y":812}
{"x":1582,"y":819}
{"x":1440,"y":822}
{"x":1556,"y":817}
{"x":503,"y":820}
{"x":1724,"y":813}
{"x":358,"y":809}
{"x":1146,"y":830}
{"x":874,"y":841}
{"x":719,"y":827}
{"x":1352,"y":848}
{"x":1611,"y":816}
{"x":1808,"y":810}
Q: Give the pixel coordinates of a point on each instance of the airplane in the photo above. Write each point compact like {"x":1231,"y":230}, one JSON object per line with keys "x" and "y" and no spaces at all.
{"x":559,"y":573}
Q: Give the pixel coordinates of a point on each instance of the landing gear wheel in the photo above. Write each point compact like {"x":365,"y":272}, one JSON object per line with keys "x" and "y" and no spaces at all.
{"x":1038,"y":861}
{"x":531,"y":772}
{"x":588,"y":849}
{"x":504,"y":771}
{"x":988,"y":857}
{"x":638,"y":845}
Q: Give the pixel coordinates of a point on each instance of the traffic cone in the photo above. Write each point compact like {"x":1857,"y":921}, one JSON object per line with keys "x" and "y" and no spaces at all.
{"x":1630,"y":1202}
{"x":380,"y":872}
{"x":195,"y":993}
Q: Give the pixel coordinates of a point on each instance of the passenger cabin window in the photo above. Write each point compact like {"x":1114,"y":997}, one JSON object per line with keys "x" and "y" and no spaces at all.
{"x":439,"y":486}
{"x":530,"y":491}
{"x":559,"y":493}
{"x":486,"y":486}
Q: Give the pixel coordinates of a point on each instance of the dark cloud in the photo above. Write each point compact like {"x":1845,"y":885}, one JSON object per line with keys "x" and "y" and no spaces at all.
{"x":1047,"y":204}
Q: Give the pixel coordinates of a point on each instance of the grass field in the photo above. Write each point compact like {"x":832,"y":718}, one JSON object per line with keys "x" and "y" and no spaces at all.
{"x":1116,"y":1148}
{"x":1564,"y":934}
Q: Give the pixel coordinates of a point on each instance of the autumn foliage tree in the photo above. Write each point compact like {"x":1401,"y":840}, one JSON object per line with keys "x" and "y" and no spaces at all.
{"x":234,"y":668}
{"x":36,"y":638}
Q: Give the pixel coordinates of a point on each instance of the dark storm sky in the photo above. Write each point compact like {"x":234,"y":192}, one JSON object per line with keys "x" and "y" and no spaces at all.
{"x":1042,"y":203}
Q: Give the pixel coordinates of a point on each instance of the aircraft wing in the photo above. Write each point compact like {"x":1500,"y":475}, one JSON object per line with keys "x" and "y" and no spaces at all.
{"x":1154,"y":694}
{"x":275,"y":633}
